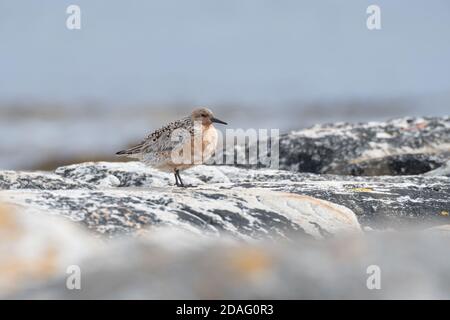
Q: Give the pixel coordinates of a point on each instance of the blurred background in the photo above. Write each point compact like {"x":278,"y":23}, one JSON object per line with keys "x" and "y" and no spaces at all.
{"x":76,"y":95}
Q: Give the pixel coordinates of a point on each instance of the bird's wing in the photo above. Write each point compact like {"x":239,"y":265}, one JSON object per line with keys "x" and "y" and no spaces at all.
{"x":161,"y":141}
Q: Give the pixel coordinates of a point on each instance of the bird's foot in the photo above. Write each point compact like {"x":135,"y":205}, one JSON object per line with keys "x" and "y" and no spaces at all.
{"x":182,"y":185}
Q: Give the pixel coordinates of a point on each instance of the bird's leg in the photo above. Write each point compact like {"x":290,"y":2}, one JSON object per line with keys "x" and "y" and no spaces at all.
{"x":176,"y":178}
{"x":177,"y":174}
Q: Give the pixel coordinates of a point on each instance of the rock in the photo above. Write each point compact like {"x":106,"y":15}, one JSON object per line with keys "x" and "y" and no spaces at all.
{"x":37,"y":180}
{"x":397,"y":147}
{"x":379,"y":202}
{"x":35,"y":248}
{"x":440,"y":230}
{"x":241,"y":233}
{"x":124,"y":197}
{"x":243,"y":213}
{"x":172,"y":264}
{"x":406,"y":146}
{"x":444,"y":170}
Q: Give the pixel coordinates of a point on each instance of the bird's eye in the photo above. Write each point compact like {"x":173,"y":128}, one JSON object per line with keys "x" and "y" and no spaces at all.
{"x":203,"y":115}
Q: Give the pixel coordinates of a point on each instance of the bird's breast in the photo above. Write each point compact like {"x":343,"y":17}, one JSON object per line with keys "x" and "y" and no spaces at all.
{"x":204,"y":144}
{"x":210,"y":138}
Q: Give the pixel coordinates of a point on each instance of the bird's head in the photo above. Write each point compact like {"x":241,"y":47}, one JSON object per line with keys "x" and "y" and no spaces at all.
{"x":205,"y":117}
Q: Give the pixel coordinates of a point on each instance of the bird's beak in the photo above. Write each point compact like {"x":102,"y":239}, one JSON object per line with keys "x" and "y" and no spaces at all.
{"x":217,"y":121}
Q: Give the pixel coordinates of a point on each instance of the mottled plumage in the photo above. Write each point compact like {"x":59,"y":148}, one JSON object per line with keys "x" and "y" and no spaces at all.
{"x":178,"y":145}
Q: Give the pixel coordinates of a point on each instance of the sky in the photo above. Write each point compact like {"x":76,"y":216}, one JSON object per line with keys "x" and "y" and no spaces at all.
{"x":236,"y":51}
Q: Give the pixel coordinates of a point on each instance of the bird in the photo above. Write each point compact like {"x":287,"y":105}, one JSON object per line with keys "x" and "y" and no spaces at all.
{"x":178,"y":145}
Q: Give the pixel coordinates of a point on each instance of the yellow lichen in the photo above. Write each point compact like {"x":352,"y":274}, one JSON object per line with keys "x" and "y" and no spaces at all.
{"x":362,"y":189}
{"x":9,"y":227}
{"x":250,"y":261}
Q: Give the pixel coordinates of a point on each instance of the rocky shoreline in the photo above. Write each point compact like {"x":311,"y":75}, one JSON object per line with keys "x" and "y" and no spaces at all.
{"x":337,"y":181}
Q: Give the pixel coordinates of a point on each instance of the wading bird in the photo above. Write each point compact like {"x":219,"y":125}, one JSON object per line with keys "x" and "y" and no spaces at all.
{"x":179,"y":145}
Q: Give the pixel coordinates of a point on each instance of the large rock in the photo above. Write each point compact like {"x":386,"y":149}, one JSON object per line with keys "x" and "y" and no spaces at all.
{"x":398,"y":147}
{"x":35,"y":248}
{"x":40,"y":254}
{"x":123,"y":197}
{"x":444,"y":170}
{"x":240,"y":232}
{"x":171,"y":264}
{"x":404,"y":146}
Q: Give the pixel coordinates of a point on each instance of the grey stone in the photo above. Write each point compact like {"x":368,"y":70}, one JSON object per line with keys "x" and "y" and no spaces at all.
{"x":174,"y":264}
{"x":148,"y":200}
{"x":443,"y":170}
{"x":405,"y":146}
{"x":121,"y":197}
